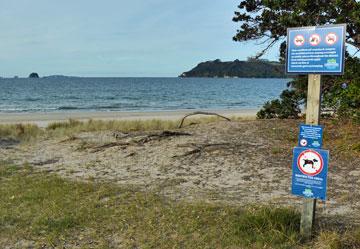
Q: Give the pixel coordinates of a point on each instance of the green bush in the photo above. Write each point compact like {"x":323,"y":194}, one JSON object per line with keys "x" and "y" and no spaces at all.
{"x":288,"y":106}
{"x":340,"y":95}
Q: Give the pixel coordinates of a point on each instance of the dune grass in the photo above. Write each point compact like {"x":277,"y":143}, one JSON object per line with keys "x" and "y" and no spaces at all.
{"x":344,"y":137}
{"x":23,"y":132}
{"x":74,"y":126}
{"x":27,"y":132}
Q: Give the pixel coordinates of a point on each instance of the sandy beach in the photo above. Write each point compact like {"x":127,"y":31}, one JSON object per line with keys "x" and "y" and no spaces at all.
{"x":242,"y":161}
{"x":43,"y":119}
{"x":237,"y":163}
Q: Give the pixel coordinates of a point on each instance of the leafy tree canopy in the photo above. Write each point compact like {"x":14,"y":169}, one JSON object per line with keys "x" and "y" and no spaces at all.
{"x":268,"y":20}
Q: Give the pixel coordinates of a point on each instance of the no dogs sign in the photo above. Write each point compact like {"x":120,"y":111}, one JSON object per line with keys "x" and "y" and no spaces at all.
{"x":310,"y":162}
{"x":309,"y":175}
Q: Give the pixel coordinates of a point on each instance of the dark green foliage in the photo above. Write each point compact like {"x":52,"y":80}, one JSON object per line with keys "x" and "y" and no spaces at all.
{"x":286,"y":107}
{"x":268,"y":20}
{"x":342,"y":94}
{"x":252,"y":68}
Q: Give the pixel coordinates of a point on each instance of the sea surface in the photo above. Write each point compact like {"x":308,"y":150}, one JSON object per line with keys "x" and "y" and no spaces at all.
{"x":64,"y":94}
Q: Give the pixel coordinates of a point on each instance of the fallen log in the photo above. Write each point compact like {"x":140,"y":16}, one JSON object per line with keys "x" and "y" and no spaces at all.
{"x":140,"y":139}
{"x":201,"y":113}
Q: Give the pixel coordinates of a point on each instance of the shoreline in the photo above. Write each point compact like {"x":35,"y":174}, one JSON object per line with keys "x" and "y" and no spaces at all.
{"x":42,"y":119}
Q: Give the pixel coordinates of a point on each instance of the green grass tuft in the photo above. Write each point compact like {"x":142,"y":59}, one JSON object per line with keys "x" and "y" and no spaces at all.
{"x":44,"y":210}
{"x":269,"y":226}
{"x":28,"y":132}
{"x":48,"y":210}
{"x":24,"y":132}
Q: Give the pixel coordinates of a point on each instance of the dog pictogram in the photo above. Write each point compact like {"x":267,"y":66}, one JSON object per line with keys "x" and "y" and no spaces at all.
{"x":310,"y":162}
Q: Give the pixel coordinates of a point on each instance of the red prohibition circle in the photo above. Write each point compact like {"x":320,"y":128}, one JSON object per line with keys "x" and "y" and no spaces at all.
{"x":321,"y":163}
{"x":317,"y":36}
{"x":299,"y":37}
{"x":336,"y":38}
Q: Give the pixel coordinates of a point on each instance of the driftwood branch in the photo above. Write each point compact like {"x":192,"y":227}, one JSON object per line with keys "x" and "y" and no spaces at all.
{"x":201,"y":113}
{"x":109,"y":145}
{"x":164,"y":134}
{"x":139,"y":139}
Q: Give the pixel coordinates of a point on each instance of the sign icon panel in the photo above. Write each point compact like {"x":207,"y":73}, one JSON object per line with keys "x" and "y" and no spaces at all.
{"x":299,"y":40}
{"x":331,"y":38}
{"x":315,"y":39}
{"x":316,"y":50}
{"x":303,"y":142}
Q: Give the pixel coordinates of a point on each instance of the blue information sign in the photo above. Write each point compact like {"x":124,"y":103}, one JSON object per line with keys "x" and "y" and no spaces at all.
{"x":310,"y":136}
{"x":309,"y":173}
{"x":316,"y":50}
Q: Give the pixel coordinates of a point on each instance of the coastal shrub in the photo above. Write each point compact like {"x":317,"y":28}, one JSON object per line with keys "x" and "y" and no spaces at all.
{"x":285,"y":107}
{"x":340,"y":96}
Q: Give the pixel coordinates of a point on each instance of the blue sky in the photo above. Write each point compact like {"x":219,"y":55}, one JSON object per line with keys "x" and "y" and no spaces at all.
{"x":117,"y":37}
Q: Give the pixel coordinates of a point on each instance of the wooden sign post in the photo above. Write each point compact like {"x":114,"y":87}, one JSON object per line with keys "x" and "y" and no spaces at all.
{"x":313,"y":51}
{"x":312,"y":118}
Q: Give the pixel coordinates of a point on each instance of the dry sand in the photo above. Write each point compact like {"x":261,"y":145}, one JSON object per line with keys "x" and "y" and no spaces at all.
{"x":234,"y":162}
{"x":43,"y":119}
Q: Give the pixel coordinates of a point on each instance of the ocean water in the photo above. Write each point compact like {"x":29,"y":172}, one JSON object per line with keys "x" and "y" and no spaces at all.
{"x":60,"y":94}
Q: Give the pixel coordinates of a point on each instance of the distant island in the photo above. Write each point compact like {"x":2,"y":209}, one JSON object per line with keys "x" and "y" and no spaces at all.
{"x":60,"y":76}
{"x":34,"y":75}
{"x":252,"y":68}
